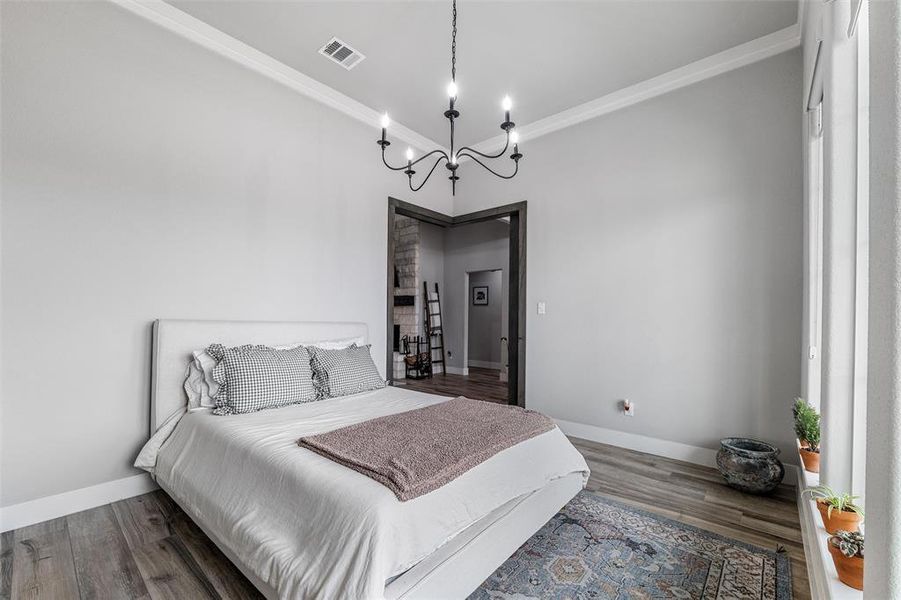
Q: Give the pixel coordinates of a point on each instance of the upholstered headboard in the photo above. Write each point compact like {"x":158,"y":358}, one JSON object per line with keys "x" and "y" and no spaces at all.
{"x":174,"y":340}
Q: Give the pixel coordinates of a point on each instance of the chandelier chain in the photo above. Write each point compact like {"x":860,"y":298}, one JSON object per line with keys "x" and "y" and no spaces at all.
{"x":454,"y":46}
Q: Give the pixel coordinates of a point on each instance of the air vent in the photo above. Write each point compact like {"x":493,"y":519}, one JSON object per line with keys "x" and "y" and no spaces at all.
{"x":341,"y":53}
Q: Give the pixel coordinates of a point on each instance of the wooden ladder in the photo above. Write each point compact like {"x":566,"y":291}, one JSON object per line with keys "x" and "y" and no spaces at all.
{"x":434,"y":324}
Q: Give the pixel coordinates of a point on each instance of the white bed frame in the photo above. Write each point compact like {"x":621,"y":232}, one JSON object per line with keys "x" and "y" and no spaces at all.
{"x":455,"y":569}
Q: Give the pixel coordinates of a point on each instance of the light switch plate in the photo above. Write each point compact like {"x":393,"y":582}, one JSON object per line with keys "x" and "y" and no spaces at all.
{"x":542,"y":308}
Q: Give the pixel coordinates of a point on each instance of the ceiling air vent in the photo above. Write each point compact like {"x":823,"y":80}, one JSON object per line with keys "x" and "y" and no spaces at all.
{"x":341,"y":53}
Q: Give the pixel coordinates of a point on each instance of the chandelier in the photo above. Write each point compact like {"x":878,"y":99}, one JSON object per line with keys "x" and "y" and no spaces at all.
{"x":451,"y":159}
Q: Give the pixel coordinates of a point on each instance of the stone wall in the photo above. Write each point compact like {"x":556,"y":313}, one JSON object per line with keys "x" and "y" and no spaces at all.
{"x":407,"y":265}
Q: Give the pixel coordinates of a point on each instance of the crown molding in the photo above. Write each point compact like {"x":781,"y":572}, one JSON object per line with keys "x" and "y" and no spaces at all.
{"x":191,"y":28}
{"x":717,"y":64}
{"x":183,"y":24}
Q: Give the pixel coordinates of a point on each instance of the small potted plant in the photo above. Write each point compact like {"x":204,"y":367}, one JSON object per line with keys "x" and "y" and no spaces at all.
{"x":846,"y":548}
{"x":799,"y":405}
{"x":807,"y":428}
{"x":839,"y":511}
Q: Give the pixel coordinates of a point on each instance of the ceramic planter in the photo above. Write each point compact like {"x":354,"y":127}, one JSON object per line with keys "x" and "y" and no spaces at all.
{"x":850,"y":570}
{"x":749,"y":465}
{"x":810,"y":459}
{"x":846,"y":520}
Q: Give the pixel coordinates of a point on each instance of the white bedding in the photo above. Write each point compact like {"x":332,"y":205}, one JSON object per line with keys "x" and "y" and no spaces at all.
{"x":312,"y":528}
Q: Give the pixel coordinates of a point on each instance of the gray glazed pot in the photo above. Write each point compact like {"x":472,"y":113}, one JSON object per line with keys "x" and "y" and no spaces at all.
{"x":749,"y":465}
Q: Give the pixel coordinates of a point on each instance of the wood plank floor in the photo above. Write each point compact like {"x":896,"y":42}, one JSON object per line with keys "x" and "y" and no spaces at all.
{"x":146,"y":547}
{"x":480,"y":384}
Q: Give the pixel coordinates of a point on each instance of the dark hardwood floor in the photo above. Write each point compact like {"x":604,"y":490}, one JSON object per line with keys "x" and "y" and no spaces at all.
{"x":146,"y":547}
{"x":480,"y":384}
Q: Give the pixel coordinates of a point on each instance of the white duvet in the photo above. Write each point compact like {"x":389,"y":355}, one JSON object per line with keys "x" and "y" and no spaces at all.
{"x":312,"y":528}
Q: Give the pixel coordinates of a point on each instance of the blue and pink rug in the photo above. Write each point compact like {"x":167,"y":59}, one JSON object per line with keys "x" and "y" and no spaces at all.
{"x":595,"y":548}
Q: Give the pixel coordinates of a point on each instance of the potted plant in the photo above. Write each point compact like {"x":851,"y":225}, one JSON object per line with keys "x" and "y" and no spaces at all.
{"x":799,"y":405}
{"x":846,"y":548}
{"x":839,"y":511}
{"x":807,"y":427}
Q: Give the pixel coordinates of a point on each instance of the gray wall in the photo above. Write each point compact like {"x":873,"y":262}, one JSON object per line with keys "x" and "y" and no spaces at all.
{"x":146,"y":177}
{"x":431,"y":255}
{"x":485,"y":321}
{"x":666,"y":240}
{"x":477,"y":247}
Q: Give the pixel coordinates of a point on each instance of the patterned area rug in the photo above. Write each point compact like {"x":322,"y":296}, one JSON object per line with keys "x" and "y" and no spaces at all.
{"x":595,"y":548}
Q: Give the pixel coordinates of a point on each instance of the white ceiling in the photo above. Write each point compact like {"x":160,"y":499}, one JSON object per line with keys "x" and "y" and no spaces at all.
{"x":549,"y":56}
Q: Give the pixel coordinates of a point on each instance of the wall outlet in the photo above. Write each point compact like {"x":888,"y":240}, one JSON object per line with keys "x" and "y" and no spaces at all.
{"x":628,"y":408}
{"x":542,"y":308}
{"x":450,"y":353}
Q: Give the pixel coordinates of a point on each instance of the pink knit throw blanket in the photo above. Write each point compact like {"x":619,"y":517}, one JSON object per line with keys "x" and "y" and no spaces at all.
{"x":418,"y":451}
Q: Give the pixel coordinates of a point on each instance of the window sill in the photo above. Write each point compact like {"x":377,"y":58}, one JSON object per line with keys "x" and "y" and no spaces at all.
{"x":824,"y":582}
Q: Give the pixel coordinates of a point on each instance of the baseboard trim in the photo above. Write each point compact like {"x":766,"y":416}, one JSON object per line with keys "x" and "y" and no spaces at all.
{"x":666,"y":448}
{"x":641,"y":443}
{"x":67,"y":503}
{"x":485,"y":364}
{"x":458,"y":371}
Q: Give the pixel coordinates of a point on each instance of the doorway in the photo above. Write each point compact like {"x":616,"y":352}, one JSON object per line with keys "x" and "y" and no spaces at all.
{"x":511,"y":290}
{"x":485,"y":328}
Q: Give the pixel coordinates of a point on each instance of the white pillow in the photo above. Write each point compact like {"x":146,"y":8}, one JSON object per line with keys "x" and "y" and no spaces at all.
{"x":199,"y":383}
{"x":202,"y":388}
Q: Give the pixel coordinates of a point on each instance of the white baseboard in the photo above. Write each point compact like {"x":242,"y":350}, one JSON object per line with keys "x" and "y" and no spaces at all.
{"x":485,"y":364}
{"x":458,"y":370}
{"x":642,"y":443}
{"x":60,"y":505}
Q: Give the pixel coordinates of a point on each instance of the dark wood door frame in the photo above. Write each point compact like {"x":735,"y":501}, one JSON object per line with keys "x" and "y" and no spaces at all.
{"x":516,"y":322}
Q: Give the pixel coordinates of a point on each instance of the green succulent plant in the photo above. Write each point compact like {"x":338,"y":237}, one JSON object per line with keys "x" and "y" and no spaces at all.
{"x":807,"y":425}
{"x":849,"y":543}
{"x":834,"y":500}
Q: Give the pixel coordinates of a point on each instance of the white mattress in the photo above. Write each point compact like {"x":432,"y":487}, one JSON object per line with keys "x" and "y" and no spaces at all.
{"x":312,"y":528}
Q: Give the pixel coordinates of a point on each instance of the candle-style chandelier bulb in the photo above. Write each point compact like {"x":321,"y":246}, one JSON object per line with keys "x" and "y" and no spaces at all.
{"x":385,"y":121}
{"x":507,"y":103}
{"x":452,"y":89}
{"x":514,"y":137}
{"x":409,"y":153}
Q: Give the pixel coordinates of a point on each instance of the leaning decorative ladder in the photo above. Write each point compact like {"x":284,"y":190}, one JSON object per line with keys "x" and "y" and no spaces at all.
{"x":434,"y":325}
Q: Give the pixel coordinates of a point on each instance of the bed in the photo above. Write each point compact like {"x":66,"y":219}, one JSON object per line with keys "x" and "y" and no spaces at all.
{"x":299,"y":525}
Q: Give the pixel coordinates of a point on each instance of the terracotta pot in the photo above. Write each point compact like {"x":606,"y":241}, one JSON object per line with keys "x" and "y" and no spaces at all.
{"x":850,"y":570}
{"x":846,"y":520}
{"x":811,"y":460}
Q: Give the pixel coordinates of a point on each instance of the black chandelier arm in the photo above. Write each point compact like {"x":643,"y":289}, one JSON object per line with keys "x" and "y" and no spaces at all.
{"x":490,"y":170}
{"x":483,"y":155}
{"x":432,"y":170}
{"x":418,"y":160}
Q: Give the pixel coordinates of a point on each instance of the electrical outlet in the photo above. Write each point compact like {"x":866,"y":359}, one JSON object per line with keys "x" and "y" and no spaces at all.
{"x":450,"y":353}
{"x":628,"y":408}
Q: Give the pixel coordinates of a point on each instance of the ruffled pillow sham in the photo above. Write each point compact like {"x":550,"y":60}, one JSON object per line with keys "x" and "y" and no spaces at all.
{"x":254,"y":377}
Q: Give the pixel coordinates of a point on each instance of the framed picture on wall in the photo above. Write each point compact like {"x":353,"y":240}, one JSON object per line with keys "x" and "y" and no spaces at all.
{"x":480,"y":295}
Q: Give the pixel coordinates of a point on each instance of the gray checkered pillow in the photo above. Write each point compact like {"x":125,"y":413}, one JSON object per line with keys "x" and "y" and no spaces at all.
{"x":252,"y":378}
{"x":343,"y":372}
